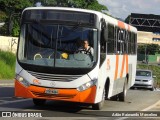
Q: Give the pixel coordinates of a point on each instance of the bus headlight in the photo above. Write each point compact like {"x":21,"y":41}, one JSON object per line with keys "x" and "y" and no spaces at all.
{"x":87,"y":85}
{"x":22,"y":81}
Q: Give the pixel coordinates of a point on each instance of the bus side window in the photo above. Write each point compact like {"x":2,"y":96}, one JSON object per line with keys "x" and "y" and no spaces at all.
{"x":111,"y":39}
{"x":135,"y":43}
{"x":132,"y":43}
{"x":129,"y":44}
{"x":126,"y":41}
{"x":122,"y":43}
{"x":119,"y":40}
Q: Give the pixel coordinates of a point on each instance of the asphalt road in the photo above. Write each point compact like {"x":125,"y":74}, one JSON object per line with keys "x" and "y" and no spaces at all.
{"x":137,"y":100}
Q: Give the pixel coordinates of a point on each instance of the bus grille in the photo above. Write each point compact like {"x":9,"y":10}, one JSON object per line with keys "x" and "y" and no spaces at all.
{"x":54,"y":77}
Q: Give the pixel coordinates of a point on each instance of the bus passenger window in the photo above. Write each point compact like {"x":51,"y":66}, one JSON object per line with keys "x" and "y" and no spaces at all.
{"x":129,"y":43}
{"x":135,"y":43}
{"x":126,"y":41}
{"x":132,"y":43}
{"x":111,"y":40}
{"x":119,"y":41}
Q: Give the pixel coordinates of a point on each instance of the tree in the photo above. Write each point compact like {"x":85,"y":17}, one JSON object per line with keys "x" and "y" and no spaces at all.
{"x":3,"y":16}
{"x":150,"y":49}
{"x":85,"y":4}
{"x":11,"y":8}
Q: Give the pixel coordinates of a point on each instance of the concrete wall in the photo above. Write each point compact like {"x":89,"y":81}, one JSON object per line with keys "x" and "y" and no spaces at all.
{"x":147,"y":38}
{"x":8,"y":43}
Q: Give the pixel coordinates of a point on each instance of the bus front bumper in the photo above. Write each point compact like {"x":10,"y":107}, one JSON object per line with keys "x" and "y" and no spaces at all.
{"x":73,"y":95}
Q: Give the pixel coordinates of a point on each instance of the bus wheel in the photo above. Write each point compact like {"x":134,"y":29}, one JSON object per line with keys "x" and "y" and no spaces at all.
{"x":114,"y":98}
{"x":99,"y":106}
{"x":122,"y":95}
{"x":39,"y":102}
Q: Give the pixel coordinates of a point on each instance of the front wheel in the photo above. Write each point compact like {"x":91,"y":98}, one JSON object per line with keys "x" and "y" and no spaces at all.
{"x":98,"y":106}
{"x":39,"y":102}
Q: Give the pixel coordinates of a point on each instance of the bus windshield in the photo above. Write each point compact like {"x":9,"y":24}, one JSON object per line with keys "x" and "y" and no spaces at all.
{"x":56,"y":45}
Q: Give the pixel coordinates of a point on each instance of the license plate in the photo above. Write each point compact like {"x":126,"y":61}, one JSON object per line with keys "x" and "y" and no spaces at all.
{"x":51,"y":91}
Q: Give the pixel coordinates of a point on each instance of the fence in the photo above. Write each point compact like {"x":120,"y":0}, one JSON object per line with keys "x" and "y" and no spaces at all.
{"x":150,"y":58}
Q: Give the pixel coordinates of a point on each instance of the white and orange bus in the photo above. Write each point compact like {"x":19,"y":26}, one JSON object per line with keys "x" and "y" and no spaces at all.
{"x":48,"y":68}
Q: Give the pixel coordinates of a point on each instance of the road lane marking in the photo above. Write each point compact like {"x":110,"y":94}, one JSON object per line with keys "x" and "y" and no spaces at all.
{"x":6,"y":84}
{"x":20,"y":100}
{"x":150,"y":107}
{"x":146,"y":109}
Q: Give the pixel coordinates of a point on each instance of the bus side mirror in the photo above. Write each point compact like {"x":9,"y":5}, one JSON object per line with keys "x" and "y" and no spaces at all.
{"x":105,"y":34}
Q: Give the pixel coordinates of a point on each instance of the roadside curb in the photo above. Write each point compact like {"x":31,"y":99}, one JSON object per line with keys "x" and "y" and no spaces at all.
{"x":6,"y":84}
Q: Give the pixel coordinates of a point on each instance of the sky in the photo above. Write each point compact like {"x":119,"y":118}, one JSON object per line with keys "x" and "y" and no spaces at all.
{"x":123,"y":8}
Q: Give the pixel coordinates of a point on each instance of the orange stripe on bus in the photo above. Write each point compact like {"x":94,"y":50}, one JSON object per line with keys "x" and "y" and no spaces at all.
{"x":116,"y":69}
{"x":121,"y":24}
{"x":126,"y":63}
{"x":122,"y":68}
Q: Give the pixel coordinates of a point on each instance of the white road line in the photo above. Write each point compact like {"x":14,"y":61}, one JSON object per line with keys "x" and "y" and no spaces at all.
{"x":150,"y":107}
{"x":146,"y":109}
{"x":6,"y":84}
{"x":7,"y":102}
{"x":8,"y":97}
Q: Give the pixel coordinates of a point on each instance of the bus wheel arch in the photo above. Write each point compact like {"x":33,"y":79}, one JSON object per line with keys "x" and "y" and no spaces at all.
{"x":107,"y":85}
{"x":127,"y":76}
{"x":99,"y":106}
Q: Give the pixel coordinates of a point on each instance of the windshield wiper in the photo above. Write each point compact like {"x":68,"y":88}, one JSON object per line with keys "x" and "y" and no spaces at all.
{"x":76,"y":26}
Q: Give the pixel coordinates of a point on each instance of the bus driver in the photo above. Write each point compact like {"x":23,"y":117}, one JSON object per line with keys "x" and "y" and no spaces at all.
{"x":85,"y":48}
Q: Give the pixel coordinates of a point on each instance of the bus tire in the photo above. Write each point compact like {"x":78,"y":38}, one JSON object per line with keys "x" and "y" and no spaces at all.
{"x":114,"y":98}
{"x":99,"y":106}
{"x":39,"y":102}
{"x":122,"y":95}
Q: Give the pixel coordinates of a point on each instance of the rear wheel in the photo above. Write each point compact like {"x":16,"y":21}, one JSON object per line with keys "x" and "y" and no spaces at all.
{"x":122,"y":95}
{"x":99,"y":106}
{"x":114,"y":98}
{"x":39,"y":102}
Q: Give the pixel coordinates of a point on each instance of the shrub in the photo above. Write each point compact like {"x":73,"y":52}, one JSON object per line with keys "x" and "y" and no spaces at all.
{"x":7,"y":64}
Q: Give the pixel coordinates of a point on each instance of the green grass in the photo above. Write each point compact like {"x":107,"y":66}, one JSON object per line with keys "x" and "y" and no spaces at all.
{"x":7,"y":65}
{"x":155,"y":69}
